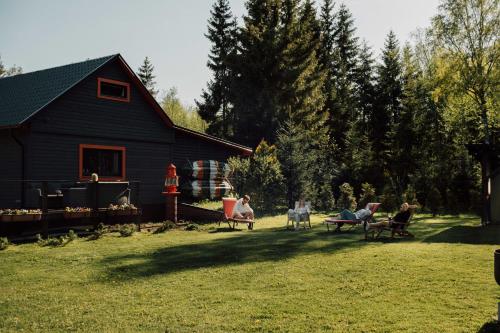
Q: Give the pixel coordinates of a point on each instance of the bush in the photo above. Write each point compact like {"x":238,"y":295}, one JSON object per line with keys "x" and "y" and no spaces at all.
{"x":367,"y":195}
{"x":192,"y":226}
{"x":165,"y":226}
{"x":433,"y":200}
{"x":389,"y":200}
{"x":4,"y":243}
{"x":127,"y":230}
{"x":57,"y":241}
{"x":346,"y":199}
{"x":99,"y":232}
{"x":410,"y":196}
{"x":260,"y":177}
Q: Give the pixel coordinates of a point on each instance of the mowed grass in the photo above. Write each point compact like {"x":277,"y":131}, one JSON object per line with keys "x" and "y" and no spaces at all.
{"x":268,"y":279}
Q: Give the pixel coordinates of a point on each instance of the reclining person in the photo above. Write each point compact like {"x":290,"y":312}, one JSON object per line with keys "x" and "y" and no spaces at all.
{"x":242,"y":209}
{"x":397,"y":222}
{"x":346,"y":214}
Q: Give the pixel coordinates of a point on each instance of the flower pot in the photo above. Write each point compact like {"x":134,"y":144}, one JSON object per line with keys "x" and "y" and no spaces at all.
{"x":21,"y":218}
{"x":122,"y":212}
{"x":76,"y":215}
{"x":497,"y":266}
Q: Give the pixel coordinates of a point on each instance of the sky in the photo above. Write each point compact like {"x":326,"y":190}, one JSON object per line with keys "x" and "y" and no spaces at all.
{"x":42,"y":34}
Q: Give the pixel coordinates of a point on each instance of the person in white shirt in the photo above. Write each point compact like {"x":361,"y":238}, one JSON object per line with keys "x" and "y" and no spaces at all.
{"x":242,"y":209}
{"x":300,"y":213}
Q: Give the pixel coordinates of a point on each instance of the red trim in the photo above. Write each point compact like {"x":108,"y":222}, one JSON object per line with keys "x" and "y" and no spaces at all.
{"x":245,"y":151}
{"x":87,"y":146}
{"x":144,"y":91}
{"x":119,"y":83}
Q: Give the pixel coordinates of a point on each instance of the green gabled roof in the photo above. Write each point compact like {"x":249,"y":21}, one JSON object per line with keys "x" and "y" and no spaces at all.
{"x":21,"y":96}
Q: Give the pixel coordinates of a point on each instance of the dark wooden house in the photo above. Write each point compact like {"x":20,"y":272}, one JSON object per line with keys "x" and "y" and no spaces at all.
{"x":63,"y":122}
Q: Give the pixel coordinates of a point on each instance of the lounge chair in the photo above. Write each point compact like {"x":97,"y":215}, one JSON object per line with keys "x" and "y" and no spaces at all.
{"x":373,"y":206}
{"x":400,"y":228}
{"x":291,"y":215}
{"x":228,"y":205}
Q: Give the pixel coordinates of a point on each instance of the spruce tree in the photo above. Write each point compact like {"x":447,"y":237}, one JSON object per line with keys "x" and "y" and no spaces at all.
{"x":145,"y":73}
{"x":344,"y":68}
{"x":326,"y":54}
{"x":388,"y":104}
{"x":257,"y":72}
{"x":215,"y":107}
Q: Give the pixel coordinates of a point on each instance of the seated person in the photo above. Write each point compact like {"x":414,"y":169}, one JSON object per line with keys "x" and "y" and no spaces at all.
{"x":346,"y":214}
{"x":242,"y":209}
{"x":300,"y":213}
{"x":400,"y":218}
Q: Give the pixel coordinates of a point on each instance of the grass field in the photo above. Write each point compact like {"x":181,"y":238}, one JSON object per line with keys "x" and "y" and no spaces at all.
{"x":269,"y":279}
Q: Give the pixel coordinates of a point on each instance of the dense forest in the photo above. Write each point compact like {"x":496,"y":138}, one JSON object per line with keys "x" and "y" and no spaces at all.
{"x":331,"y":122}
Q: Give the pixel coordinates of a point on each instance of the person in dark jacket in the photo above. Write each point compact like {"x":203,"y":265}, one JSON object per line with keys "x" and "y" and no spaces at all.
{"x":397,"y":222}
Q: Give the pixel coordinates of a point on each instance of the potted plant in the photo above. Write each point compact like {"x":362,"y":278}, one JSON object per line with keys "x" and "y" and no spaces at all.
{"x":20,"y":215}
{"x":77,"y":212}
{"x":124,"y":209}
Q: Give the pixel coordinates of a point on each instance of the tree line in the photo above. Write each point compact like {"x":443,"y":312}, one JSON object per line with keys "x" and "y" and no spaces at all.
{"x":299,"y":84}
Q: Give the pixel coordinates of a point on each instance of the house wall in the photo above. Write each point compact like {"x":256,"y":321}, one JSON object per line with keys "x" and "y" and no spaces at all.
{"x":79,"y":117}
{"x":10,"y":169}
{"x":495,"y":198}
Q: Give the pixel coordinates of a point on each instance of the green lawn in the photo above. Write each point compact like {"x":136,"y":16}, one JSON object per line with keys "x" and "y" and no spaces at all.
{"x":268,"y":280}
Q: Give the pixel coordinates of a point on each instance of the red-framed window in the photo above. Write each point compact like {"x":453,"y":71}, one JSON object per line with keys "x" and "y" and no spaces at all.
{"x":113,"y":90}
{"x":108,"y":162}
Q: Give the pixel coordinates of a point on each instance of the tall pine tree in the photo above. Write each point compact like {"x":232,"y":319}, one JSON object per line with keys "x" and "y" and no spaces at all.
{"x":145,"y":73}
{"x":388,"y":105}
{"x":344,"y":67}
{"x":215,"y":107}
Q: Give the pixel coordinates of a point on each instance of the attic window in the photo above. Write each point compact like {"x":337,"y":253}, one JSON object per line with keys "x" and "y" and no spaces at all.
{"x":114,"y":90}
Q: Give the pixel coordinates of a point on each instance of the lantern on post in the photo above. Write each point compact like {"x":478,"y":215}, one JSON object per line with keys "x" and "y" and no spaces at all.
{"x":171,"y":180}
{"x":170,"y":191}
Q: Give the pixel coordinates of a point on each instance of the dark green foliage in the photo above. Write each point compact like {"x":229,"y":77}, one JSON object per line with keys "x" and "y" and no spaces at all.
{"x":306,"y":166}
{"x":57,"y":241}
{"x":145,"y":73}
{"x":192,"y":227}
{"x":99,"y":232}
{"x":367,"y":195}
{"x":390,"y":201}
{"x":261,"y":178}
{"x":278,"y":76}
{"x":4,"y":243}
{"x":344,"y":72}
{"x":165,"y":226}
{"x":410,"y":196}
{"x":127,"y":230}
{"x":388,"y":103}
{"x":433,"y":200}
{"x":215,"y":107}
{"x":346,"y":199}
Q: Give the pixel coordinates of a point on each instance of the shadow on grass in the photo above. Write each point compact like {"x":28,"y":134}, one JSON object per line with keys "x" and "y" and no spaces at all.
{"x":276,"y":244}
{"x":490,"y":327}
{"x":489,"y":235}
{"x":249,"y":247}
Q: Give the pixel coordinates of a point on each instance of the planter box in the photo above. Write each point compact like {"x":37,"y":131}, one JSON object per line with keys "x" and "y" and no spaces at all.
{"x":77,"y":215}
{"x":21,"y":218}
{"x":123,"y":212}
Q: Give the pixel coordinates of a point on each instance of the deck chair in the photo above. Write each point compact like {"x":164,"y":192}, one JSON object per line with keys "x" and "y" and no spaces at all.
{"x":231,"y":221}
{"x":291,"y":215}
{"x":373,"y":206}
{"x":401,"y":229}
